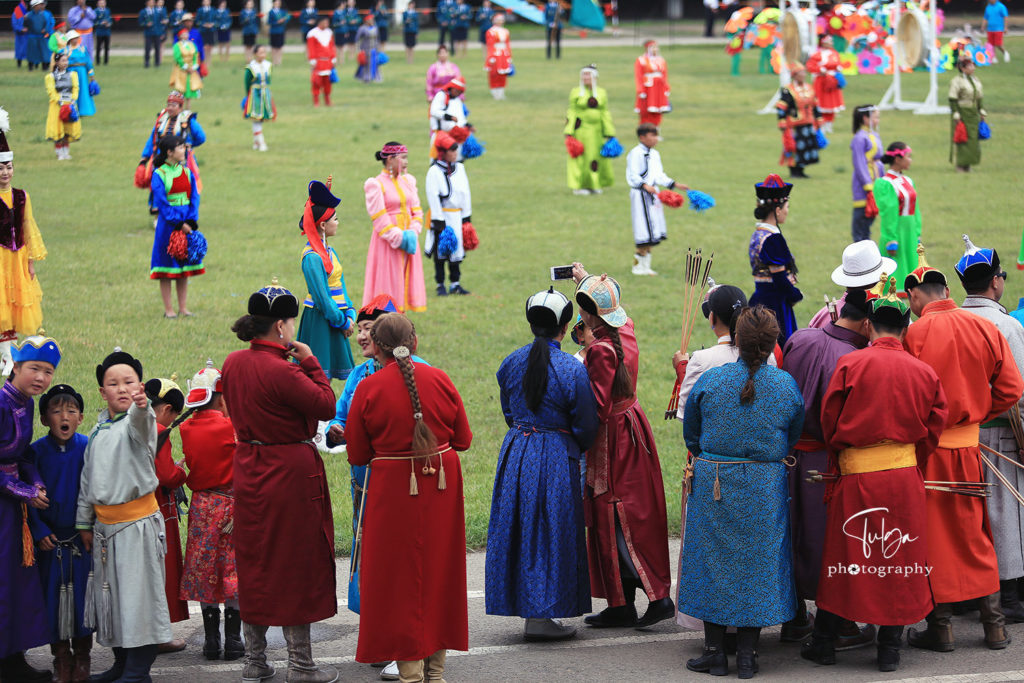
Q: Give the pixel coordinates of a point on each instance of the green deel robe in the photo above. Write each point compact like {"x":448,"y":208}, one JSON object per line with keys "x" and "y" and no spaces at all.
{"x":591,"y":125}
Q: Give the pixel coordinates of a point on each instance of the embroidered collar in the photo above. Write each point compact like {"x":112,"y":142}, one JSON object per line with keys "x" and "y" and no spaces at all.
{"x":767,"y":227}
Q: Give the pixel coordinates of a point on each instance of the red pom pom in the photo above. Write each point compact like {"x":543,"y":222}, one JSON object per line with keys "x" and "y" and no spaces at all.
{"x":870,"y":207}
{"x":65,"y":113}
{"x":788,"y":143}
{"x":177,"y":245}
{"x":143,"y":175}
{"x":574,"y":146}
{"x":204,"y":70}
{"x":960,"y":134}
{"x":361,"y":58}
{"x":470,"y":241}
{"x":459,"y":133}
{"x":670,"y":198}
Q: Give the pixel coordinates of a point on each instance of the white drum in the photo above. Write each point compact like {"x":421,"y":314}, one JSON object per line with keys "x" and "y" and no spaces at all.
{"x":914,"y":36}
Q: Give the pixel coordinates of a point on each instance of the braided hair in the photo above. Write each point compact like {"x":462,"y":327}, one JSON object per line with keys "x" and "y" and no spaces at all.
{"x":757,"y":332}
{"x":622,"y":383}
{"x":394,"y":335}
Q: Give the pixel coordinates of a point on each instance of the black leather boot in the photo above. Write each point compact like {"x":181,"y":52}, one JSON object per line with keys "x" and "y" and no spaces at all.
{"x":211,"y":625}
{"x":821,"y":648}
{"x":713,"y":661}
{"x":1009,"y":601}
{"x":746,"y":652}
{"x":234,"y":648}
{"x":889,"y":640}
{"x":15,"y":668}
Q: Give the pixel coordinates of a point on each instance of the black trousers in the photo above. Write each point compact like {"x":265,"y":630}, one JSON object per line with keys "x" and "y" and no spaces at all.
{"x":555,"y":37}
{"x":709,"y":22}
{"x":446,"y":31}
{"x":153,"y":43}
{"x":454,"y":269}
{"x":102,"y":44}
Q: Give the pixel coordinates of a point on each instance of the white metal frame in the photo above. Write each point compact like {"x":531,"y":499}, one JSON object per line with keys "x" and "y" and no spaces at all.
{"x":808,"y":47}
{"x":893,"y":97}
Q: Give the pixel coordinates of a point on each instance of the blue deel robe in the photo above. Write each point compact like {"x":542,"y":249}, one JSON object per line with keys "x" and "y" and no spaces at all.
{"x":360,"y":473}
{"x":80,"y":61}
{"x":17,"y":26}
{"x":22,"y":618}
{"x":737,"y":562}
{"x":169,"y":218}
{"x":61,"y":469}
{"x":779,"y":295}
{"x":536,"y":564}
{"x":40,"y":26}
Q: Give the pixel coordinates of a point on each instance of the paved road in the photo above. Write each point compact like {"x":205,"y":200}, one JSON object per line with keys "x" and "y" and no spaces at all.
{"x":498,"y":653}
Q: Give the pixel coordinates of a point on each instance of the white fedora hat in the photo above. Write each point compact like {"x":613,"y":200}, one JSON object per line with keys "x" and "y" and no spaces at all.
{"x":862,"y":265}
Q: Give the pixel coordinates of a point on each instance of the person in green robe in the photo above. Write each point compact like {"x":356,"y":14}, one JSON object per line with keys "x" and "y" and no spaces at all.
{"x":258,"y":104}
{"x":589,"y":122}
{"x":899,"y":212}
{"x":965,"y":105}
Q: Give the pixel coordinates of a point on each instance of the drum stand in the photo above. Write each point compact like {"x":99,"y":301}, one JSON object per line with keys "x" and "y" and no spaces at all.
{"x":807,"y":48}
{"x":893,"y":97}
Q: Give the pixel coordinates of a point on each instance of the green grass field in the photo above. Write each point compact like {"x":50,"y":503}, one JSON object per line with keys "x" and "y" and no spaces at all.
{"x":99,"y":235}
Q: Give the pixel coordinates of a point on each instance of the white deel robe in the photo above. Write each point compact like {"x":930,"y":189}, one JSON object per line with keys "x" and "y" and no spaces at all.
{"x":443,"y":106}
{"x":643,"y":165}
{"x":449,"y":200}
{"x":120,"y":466}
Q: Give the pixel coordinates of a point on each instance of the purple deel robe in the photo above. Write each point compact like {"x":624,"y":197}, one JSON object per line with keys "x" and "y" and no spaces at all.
{"x":810,"y":357}
{"x":23,"y":622}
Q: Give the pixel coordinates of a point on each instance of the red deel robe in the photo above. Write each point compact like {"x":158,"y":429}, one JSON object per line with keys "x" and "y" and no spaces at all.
{"x":623,"y":481}
{"x":652,"y":91}
{"x":891,"y":587}
{"x":170,"y":477}
{"x":284,"y":531}
{"x":981,"y":381}
{"x":413,"y":572}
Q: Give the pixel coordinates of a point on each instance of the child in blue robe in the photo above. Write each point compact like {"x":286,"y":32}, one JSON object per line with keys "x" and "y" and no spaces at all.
{"x":64,"y":563}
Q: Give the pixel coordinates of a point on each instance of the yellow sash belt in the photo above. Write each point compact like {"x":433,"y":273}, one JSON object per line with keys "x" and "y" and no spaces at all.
{"x":877,"y":458}
{"x":133,"y":510}
{"x":961,"y":436}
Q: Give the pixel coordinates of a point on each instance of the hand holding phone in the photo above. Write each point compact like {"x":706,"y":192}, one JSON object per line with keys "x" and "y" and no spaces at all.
{"x":561,"y":272}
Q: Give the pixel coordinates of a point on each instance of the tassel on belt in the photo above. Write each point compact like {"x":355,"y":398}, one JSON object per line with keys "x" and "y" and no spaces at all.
{"x":428,"y":468}
{"x":789,"y":460}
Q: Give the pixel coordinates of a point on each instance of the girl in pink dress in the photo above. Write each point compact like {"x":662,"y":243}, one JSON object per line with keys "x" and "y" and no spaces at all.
{"x":393,"y":263}
{"x":440,"y":72}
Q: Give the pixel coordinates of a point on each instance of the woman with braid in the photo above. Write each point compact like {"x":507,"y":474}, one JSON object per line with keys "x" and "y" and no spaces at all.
{"x":741,"y":421}
{"x":624,"y":500}
{"x":406,"y":421}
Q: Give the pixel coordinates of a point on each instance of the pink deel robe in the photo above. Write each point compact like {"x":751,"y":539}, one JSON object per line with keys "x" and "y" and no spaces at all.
{"x":394,"y":206}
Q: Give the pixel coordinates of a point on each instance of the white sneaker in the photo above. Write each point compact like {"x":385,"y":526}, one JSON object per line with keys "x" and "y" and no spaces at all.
{"x":389,"y":672}
{"x":262,"y":143}
{"x":1006,"y":56}
{"x":581,"y":192}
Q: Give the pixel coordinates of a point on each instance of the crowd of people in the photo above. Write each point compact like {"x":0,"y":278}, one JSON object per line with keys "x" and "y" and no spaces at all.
{"x":789,"y":443}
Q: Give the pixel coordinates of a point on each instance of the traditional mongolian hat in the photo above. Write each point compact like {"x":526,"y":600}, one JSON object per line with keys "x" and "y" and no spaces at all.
{"x":39,"y":348}
{"x":203,"y":385}
{"x":273,"y":301}
{"x":444,"y":142}
{"x":6,"y":155}
{"x":772,"y":190}
{"x":166,"y":390}
{"x":548,"y":309}
{"x":456,"y":83}
{"x":319,"y":195}
{"x":118,"y":357}
{"x":889,"y":310}
{"x":175,"y":96}
{"x":923,"y":274}
{"x":378,"y":306}
{"x":977,"y":266}
{"x":599,"y":295}
{"x":60,"y":390}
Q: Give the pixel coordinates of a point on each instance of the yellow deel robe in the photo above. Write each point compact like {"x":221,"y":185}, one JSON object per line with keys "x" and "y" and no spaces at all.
{"x":20,"y":295}
{"x":55,"y":128}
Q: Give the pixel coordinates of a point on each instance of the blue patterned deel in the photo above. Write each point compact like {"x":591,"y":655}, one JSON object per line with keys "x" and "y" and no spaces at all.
{"x":536,"y":565}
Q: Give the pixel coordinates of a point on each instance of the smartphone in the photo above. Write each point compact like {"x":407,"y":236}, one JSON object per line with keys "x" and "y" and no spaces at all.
{"x":561,"y":272}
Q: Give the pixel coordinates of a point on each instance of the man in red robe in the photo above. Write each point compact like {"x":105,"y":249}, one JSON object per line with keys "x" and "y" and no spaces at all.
{"x":652,"y":91}
{"x":320,"y":52}
{"x":981,"y":381}
{"x":875,"y":564}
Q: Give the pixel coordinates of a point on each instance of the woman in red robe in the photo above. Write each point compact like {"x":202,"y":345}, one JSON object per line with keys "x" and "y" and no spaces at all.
{"x":406,"y":421}
{"x":824,"y":65}
{"x":652,"y":91}
{"x":624,"y":505}
{"x":284,"y":531}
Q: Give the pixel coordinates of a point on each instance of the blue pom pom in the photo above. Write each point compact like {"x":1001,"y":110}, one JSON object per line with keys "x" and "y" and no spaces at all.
{"x":94,"y":88}
{"x":409,"y":241}
{"x":611,"y":148}
{"x":334,"y":75}
{"x":840,"y":79}
{"x":447,"y":243}
{"x":984,"y":132}
{"x":699,"y":201}
{"x":196,"y":248}
{"x":822,"y":140}
{"x":73,"y":115}
{"x":382,"y":58}
{"x":511,"y":70}
{"x":472,"y":148}
{"x":244,"y":103}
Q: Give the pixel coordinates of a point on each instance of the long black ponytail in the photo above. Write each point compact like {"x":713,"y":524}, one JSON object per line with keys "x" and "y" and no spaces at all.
{"x":535,"y":380}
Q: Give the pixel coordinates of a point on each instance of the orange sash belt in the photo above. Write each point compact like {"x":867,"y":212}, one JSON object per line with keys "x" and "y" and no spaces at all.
{"x":131,"y":511}
{"x":961,"y":436}
{"x":878,"y":457}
